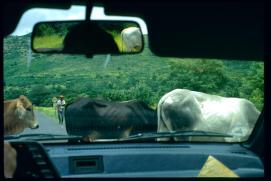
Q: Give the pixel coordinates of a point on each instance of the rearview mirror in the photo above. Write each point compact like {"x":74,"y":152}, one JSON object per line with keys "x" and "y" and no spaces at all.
{"x":87,"y":37}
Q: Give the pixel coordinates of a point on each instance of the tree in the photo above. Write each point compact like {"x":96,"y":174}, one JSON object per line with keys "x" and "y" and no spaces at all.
{"x":39,"y":94}
{"x":253,"y":85}
{"x":202,"y":75}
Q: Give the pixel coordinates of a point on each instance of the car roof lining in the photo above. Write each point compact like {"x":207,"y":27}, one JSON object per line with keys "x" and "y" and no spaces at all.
{"x":228,"y":30}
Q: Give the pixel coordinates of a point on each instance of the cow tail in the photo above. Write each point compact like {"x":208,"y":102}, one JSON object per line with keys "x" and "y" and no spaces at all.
{"x":159,"y":117}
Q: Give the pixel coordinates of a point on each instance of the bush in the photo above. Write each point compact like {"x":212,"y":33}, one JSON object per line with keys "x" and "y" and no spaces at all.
{"x":39,"y":94}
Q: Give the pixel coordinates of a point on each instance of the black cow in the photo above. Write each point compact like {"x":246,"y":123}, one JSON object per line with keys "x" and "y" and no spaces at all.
{"x":98,"y":119}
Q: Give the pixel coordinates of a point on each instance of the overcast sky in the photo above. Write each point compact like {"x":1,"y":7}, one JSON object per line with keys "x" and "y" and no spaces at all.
{"x":32,"y":16}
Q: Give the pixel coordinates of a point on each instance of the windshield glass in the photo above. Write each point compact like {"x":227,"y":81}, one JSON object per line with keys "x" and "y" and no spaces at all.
{"x":112,"y":97}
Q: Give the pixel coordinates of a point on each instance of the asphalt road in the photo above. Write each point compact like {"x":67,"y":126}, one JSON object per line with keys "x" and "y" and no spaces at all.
{"x":47,"y":125}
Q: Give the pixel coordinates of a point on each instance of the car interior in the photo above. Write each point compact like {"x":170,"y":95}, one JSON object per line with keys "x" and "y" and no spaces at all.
{"x":226,"y":30}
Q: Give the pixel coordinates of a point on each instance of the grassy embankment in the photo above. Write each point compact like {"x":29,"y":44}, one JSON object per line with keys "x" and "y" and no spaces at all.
{"x":53,"y":41}
{"x":141,"y":76}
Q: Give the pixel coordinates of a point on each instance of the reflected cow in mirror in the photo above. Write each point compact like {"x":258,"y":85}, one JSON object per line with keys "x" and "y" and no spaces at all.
{"x":131,"y":39}
{"x":97,"y":119}
{"x":18,"y":115}
{"x":182,"y":109}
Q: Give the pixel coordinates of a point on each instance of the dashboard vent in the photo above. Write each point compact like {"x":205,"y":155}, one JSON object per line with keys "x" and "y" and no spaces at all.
{"x":86,"y":164}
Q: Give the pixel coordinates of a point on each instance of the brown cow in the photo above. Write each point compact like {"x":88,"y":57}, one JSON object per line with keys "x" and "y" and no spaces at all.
{"x":18,"y":115}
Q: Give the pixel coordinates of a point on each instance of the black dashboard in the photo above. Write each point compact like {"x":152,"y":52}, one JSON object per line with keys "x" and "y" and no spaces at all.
{"x":52,"y":160}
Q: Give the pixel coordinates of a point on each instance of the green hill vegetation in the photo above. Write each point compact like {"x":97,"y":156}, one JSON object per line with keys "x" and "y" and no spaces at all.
{"x":142,"y":76}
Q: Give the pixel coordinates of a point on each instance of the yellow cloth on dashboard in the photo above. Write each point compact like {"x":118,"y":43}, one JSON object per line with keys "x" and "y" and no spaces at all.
{"x":214,"y":168}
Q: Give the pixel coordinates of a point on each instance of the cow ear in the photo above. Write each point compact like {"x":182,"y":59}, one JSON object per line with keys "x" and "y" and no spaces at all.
{"x":25,"y":102}
{"x":22,"y":97}
{"x":20,"y":110}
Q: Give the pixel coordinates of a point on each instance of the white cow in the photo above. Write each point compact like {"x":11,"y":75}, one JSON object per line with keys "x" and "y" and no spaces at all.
{"x":131,"y":39}
{"x":182,"y":109}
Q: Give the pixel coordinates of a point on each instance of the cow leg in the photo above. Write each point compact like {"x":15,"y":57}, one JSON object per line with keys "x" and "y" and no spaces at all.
{"x":238,"y":128}
{"x":92,"y":137}
{"x":126,"y":133}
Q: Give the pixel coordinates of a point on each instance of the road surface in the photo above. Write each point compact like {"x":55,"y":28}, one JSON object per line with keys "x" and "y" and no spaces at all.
{"x":47,"y":125}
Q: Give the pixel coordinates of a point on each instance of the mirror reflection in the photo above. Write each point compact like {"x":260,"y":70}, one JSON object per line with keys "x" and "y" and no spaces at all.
{"x":93,"y":37}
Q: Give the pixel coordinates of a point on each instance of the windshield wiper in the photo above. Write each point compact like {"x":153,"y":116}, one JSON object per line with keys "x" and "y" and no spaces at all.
{"x":40,"y":137}
{"x":137,"y":137}
{"x":154,"y":135}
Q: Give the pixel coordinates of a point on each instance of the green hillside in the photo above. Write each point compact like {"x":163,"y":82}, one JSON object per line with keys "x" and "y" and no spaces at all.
{"x":140,"y":76}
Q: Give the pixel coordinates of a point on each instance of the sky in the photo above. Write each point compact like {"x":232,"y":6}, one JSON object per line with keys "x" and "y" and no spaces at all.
{"x":32,"y":16}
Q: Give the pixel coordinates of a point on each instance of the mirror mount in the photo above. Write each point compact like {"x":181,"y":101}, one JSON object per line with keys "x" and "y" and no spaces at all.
{"x":89,"y":8}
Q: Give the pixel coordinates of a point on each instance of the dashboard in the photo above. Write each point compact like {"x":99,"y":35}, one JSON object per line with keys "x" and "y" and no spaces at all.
{"x":52,"y":160}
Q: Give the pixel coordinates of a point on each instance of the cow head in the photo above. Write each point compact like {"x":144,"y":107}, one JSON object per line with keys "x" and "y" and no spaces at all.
{"x":24,"y":111}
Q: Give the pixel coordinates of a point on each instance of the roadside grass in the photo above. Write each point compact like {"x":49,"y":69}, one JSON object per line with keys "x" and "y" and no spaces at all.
{"x":54,"y":41}
{"x":48,"y":111}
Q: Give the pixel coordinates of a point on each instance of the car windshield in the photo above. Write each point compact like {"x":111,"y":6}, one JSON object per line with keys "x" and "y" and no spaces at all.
{"x":126,"y":96}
